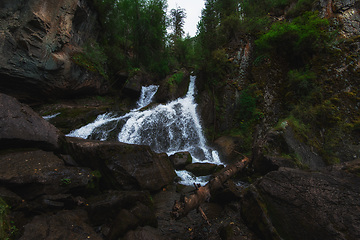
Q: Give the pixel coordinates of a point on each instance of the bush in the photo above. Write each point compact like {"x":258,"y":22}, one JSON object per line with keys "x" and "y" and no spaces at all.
{"x":296,"y":40}
{"x":300,"y":83}
{"x":92,"y":58}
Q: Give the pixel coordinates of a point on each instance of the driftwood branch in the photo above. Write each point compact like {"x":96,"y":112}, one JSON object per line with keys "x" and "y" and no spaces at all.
{"x":186,"y":204}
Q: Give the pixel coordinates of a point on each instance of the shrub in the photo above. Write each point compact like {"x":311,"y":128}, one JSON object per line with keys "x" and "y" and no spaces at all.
{"x":7,"y":228}
{"x":92,"y":58}
{"x":296,"y":40}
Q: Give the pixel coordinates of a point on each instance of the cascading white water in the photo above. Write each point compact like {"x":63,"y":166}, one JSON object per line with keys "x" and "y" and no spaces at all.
{"x":146,"y":96}
{"x":169,"y":128}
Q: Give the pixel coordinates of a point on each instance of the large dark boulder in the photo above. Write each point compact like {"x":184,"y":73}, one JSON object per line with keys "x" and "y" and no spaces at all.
{"x":107,"y":205}
{"x":306,"y":205}
{"x":34,"y":173}
{"x":180,"y":160}
{"x":202,"y":169}
{"x":20,"y":126}
{"x":144,"y":233}
{"x":124,"y":165}
{"x":64,"y":225}
{"x":37,"y":42}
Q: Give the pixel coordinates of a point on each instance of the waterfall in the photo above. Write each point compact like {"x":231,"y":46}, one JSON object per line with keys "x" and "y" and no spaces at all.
{"x":170,"y":128}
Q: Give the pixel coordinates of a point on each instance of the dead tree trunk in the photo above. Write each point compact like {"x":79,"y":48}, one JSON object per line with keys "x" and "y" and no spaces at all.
{"x":186,"y":204}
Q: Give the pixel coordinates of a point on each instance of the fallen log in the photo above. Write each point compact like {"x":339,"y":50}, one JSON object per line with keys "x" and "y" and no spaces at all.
{"x":186,"y":204}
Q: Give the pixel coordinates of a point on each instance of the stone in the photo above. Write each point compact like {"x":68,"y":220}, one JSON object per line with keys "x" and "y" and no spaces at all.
{"x":180,"y":160}
{"x":170,"y":90}
{"x":230,"y":148}
{"x":124,"y":165}
{"x":103,"y":207}
{"x":278,"y":148}
{"x":34,"y":173}
{"x":20,"y":126}
{"x":37,"y":42}
{"x":201,"y":169}
{"x":139,"y":215}
{"x":63,"y":225}
{"x":319,"y":205}
{"x":144,"y":233}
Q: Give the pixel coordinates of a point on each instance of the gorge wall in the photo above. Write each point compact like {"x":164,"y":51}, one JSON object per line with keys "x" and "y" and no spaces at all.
{"x":328,"y":109}
{"x":37,"y":42}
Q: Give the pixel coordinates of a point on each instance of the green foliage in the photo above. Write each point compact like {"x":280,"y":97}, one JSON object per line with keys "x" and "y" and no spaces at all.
{"x":65,"y":181}
{"x":176,"y":78}
{"x":177,"y":20}
{"x":296,"y":40}
{"x":183,"y":53}
{"x":300,"y":7}
{"x":92,"y":58}
{"x":7,"y":228}
{"x":134,"y":34}
{"x":300,"y":84}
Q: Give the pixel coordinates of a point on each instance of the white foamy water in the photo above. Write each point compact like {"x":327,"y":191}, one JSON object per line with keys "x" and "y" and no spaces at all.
{"x":172,"y":127}
{"x":48,"y":117}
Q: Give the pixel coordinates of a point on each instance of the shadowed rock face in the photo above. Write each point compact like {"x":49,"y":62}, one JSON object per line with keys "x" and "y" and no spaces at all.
{"x":20,"y":126}
{"x":309,"y":205}
{"x":37,"y":41}
{"x":126,"y":166}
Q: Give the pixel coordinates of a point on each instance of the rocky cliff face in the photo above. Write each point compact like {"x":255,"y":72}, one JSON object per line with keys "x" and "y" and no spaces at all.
{"x":37,"y":41}
{"x":331,"y":114}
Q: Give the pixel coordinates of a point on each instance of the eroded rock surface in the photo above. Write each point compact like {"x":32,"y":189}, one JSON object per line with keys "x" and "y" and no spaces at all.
{"x":37,"y":41}
{"x":20,"y":126}
{"x":308,"y":205}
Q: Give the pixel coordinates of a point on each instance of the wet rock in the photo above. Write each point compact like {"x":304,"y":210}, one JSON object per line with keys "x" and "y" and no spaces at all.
{"x":144,"y":233}
{"x":20,"y":126}
{"x":319,"y":205}
{"x":33,"y":173}
{"x":180,"y":160}
{"x":170,"y":90}
{"x":11,"y":198}
{"x":139,"y":215}
{"x":38,"y":40}
{"x":230,"y":147}
{"x":201,"y":169}
{"x":104,"y":207}
{"x":64,"y":225}
{"x":123,"y":165}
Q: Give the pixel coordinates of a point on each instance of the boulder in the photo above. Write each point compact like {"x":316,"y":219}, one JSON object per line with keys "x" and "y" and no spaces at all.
{"x":124,"y":166}
{"x":319,"y":205}
{"x":230,"y":148}
{"x":201,"y":169}
{"x":170,"y":90}
{"x":144,"y":233}
{"x":103,"y":207}
{"x":63,"y":225}
{"x":34,"y":173}
{"x":37,"y":42}
{"x":20,"y":126}
{"x":180,"y":160}
{"x":139,"y":215}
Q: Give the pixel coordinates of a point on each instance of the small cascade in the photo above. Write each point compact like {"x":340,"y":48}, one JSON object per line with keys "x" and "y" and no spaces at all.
{"x":170,"y":128}
{"x":146,"y":96}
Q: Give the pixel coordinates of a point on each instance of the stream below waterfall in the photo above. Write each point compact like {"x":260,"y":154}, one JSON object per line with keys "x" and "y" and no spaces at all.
{"x":170,"y":128}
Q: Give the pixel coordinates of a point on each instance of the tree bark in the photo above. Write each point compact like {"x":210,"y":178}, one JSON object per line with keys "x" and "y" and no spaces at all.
{"x":186,"y":204}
